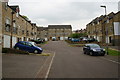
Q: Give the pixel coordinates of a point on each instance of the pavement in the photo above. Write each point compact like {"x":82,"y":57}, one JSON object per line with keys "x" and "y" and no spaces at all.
{"x":117,"y":48}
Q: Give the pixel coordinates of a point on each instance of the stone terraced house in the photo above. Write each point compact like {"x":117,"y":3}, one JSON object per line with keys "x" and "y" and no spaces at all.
{"x":59,"y":32}
{"x":105,"y":29}
{"x":15,"y":27}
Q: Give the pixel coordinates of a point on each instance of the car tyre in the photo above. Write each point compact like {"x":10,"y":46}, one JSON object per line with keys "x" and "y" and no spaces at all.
{"x":17,"y":48}
{"x":36,"y":51}
{"x":84,"y":52}
{"x":102,"y":54}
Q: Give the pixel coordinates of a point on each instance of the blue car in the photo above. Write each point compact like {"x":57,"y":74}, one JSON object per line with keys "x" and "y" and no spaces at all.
{"x":28,"y":46}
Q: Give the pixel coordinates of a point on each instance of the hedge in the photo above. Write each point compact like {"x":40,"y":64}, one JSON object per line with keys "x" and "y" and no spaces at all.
{"x":12,"y":50}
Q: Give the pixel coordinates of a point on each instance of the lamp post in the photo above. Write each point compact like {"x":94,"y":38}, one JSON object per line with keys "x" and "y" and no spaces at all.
{"x":11,"y":30}
{"x":106,"y":29}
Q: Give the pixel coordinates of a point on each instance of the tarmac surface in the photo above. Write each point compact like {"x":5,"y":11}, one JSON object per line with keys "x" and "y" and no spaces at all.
{"x":25,"y":66}
{"x":70,"y":62}
{"x":64,"y":62}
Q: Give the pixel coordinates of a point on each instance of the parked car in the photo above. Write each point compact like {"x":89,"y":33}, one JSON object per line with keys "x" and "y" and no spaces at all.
{"x":75,"y":40}
{"x":93,"y":49}
{"x":54,"y":39}
{"x":91,"y":39}
{"x":28,"y":46}
{"x":84,"y":39}
{"x":38,"y":41}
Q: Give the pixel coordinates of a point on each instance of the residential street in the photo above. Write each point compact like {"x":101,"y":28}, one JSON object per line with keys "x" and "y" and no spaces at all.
{"x":65,"y":62}
{"x":70,"y":62}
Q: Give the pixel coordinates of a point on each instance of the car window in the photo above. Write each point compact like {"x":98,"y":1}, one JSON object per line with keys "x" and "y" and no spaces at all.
{"x":28,"y":44}
{"x":23,"y":43}
{"x":94,"y":46}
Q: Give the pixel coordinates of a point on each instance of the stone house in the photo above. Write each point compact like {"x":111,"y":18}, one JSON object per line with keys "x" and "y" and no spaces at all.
{"x":42,"y":33}
{"x":103,"y":28}
{"x":15,"y":27}
{"x":59,"y":32}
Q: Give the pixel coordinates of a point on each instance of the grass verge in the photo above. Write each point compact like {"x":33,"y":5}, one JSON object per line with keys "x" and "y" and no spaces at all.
{"x":113,"y":52}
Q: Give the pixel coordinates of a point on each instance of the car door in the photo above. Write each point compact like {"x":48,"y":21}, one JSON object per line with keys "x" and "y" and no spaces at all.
{"x":29,"y":47}
{"x":22,"y":46}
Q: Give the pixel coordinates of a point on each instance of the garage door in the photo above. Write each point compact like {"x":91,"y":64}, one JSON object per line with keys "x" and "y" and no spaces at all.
{"x":6,"y":41}
{"x":14,"y":41}
{"x":61,"y":38}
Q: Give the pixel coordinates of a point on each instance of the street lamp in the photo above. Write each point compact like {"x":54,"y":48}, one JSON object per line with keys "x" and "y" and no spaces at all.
{"x":106,"y":29}
{"x":11,"y":29}
{"x":105,"y":9}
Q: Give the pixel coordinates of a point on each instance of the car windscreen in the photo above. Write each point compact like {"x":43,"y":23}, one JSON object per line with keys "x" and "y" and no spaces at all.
{"x":94,"y":46}
{"x":33,"y":43}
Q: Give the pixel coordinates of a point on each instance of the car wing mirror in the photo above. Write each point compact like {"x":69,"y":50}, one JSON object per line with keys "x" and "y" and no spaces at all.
{"x":88,"y":47}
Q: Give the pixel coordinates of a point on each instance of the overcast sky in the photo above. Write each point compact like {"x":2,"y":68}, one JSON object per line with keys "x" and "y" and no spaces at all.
{"x":77,"y":13}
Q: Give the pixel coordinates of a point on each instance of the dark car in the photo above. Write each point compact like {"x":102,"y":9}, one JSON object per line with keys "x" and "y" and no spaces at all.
{"x":28,"y":46}
{"x":93,"y":49}
{"x":38,"y":41}
{"x":91,"y":40}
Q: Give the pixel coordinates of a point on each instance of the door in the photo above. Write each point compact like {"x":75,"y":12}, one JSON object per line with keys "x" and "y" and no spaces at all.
{"x":14,"y":41}
{"x":29,"y":47}
{"x":6,"y":41}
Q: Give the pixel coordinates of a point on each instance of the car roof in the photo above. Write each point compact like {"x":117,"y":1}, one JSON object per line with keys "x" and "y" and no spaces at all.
{"x":25,"y":41}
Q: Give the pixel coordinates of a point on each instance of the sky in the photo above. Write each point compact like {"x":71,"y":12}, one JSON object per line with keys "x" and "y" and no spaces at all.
{"x":77,"y":13}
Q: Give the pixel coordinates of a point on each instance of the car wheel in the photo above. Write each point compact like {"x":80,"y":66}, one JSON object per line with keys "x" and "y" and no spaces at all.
{"x":36,"y":51}
{"x":84,"y":52}
{"x":17,"y":48}
{"x":91,"y":53}
{"x":102,"y":54}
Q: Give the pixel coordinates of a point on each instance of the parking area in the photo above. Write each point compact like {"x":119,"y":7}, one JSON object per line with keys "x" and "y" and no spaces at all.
{"x":25,"y":66}
{"x":64,"y":62}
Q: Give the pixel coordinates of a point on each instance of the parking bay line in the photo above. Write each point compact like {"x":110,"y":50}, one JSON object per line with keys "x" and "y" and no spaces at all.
{"x":49,"y":67}
{"x":111,"y":60}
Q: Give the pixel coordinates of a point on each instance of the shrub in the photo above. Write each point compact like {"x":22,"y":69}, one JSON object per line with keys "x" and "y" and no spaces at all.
{"x":11,"y":50}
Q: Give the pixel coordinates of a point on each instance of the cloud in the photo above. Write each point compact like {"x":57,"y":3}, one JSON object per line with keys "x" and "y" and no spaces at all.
{"x":75,"y":12}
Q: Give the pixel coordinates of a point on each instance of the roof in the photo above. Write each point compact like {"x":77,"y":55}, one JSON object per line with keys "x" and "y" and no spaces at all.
{"x":14,"y":7}
{"x":59,"y":26}
{"x":42,"y":28}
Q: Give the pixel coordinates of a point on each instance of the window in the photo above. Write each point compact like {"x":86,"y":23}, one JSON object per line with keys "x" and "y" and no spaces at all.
{"x":7,"y":25}
{"x":23,"y":31}
{"x":28,"y":44}
{"x":22,"y":43}
{"x":7,"y":21}
{"x":6,"y":5}
{"x":15,"y":30}
{"x":14,"y":24}
{"x":98,"y":22}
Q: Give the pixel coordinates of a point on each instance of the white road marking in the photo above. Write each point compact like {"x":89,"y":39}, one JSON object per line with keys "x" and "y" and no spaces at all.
{"x":111,"y":60}
{"x":49,"y":67}
{"x":41,"y":68}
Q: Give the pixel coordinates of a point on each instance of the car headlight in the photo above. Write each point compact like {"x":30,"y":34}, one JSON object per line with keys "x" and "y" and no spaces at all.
{"x":103,"y":49}
{"x":94,"y":50}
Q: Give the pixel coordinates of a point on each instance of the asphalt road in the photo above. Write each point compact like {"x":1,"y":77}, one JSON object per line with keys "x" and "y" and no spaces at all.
{"x":70,"y":62}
